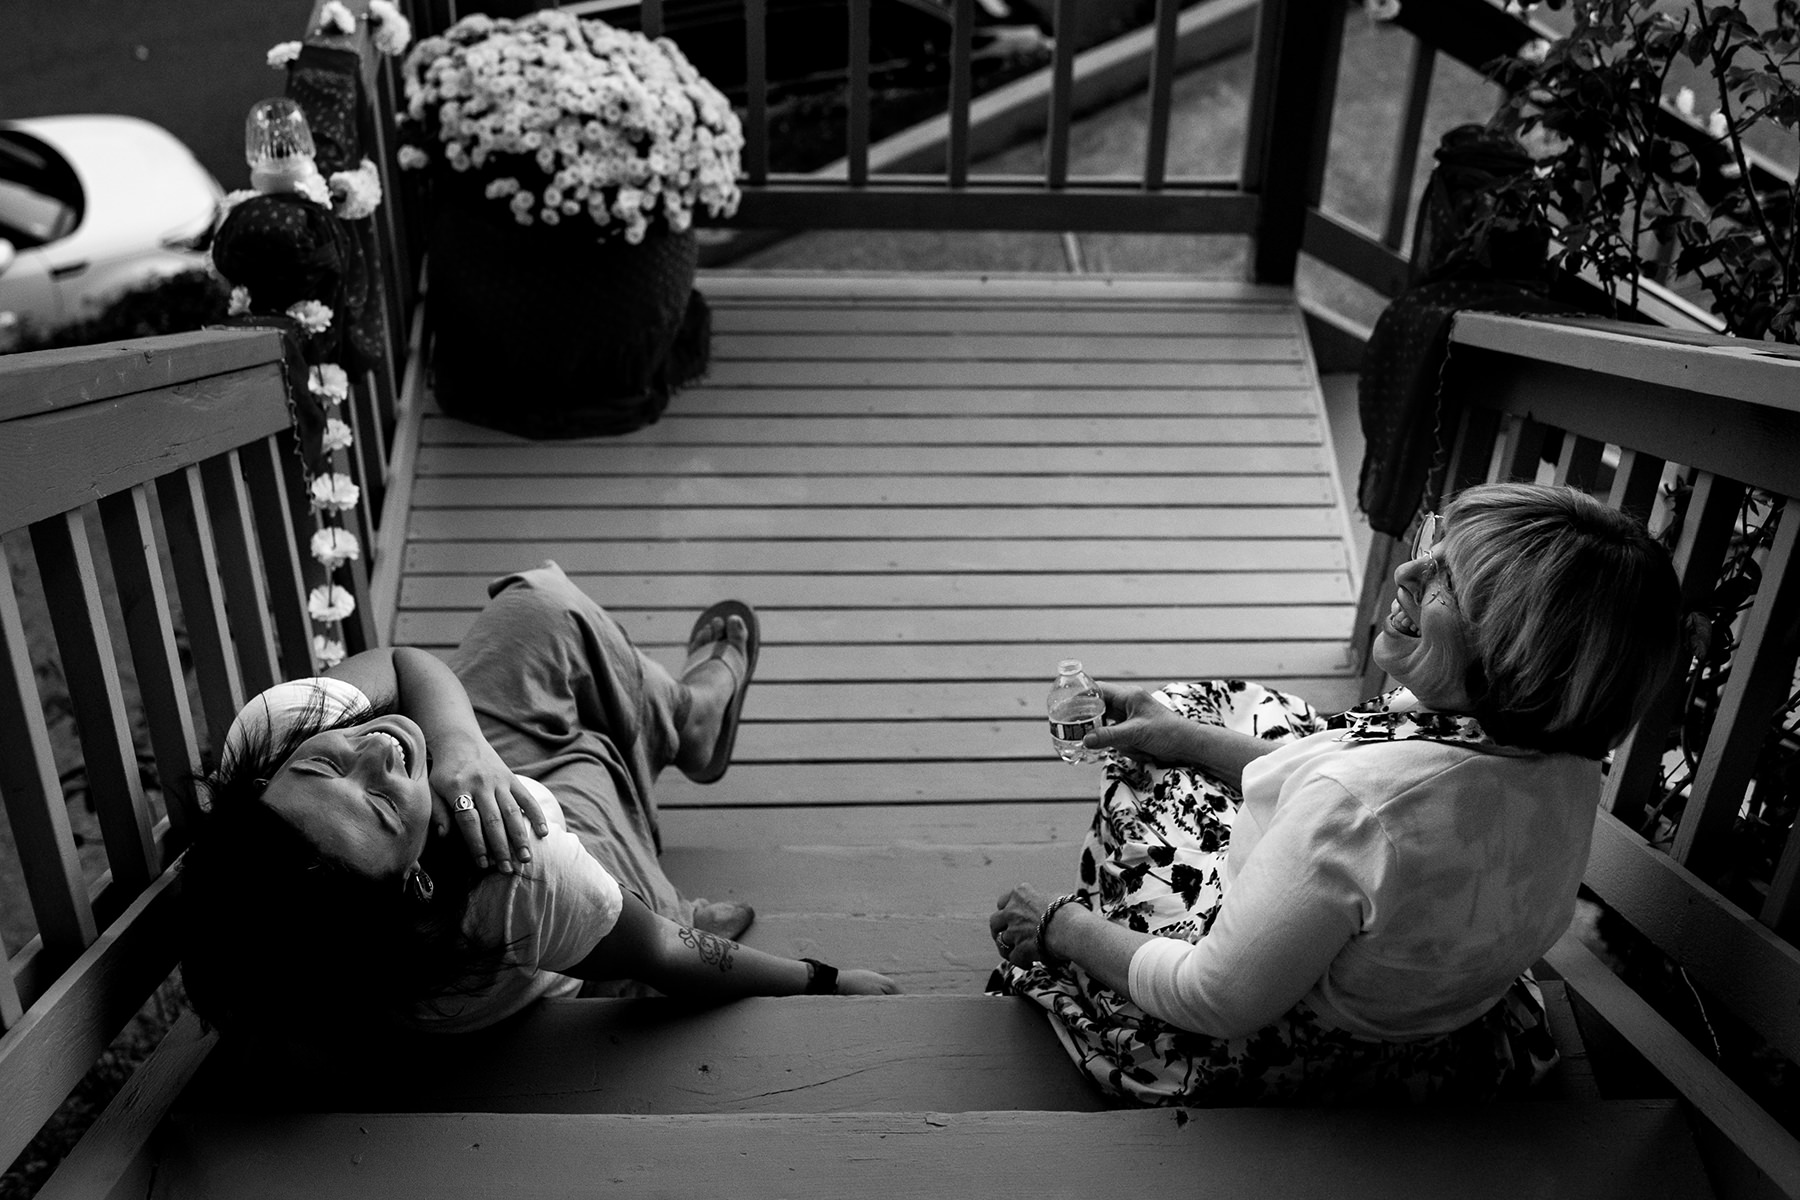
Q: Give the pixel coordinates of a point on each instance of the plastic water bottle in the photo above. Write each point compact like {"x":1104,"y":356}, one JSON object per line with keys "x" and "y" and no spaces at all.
{"x":1075,"y":706}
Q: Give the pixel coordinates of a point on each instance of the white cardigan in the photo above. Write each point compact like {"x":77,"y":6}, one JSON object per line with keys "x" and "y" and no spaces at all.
{"x":1397,"y":887}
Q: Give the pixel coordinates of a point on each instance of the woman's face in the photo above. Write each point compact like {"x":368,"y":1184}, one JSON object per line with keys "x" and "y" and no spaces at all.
{"x":359,"y":794}
{"x":1423,"y":640}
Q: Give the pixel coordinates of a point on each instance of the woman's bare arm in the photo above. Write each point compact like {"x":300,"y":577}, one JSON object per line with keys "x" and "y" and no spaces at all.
{"x":681,"y":961}
{"x":422,"y":687}
{"x":1143,"y":727}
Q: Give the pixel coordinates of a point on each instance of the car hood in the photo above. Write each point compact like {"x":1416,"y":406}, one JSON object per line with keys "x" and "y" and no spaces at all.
{"x":140,"y":183}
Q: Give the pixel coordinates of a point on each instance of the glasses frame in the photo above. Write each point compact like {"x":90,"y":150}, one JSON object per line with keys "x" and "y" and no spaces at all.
{"x":1424,"y":546}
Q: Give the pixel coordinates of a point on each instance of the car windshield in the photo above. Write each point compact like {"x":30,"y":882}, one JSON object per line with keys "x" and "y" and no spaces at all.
{"x":40,"y":199}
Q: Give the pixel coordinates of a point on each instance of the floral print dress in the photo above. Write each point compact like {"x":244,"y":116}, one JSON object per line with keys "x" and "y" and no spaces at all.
{"x":1152,"y":862}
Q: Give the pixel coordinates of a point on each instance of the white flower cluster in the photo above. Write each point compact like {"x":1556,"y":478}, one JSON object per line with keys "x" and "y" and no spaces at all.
{"x":573,"y":118}
{"x":335,"y":493}
{"x":330,"y":603}
{"x":329,"y":382}
{"x":390,"y":31}
{"x":356,"y":193}
{"x":334,"y":547}
{"x":313,"y":315}
{"x":336,"y":18}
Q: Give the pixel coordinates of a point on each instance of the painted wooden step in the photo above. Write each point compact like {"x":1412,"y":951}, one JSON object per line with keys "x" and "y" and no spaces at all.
{"x":816,"y":1054}
{"x":1628,"y":1150}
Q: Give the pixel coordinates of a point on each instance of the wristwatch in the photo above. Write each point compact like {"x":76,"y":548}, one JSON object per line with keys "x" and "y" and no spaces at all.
{"x":821,"y":978}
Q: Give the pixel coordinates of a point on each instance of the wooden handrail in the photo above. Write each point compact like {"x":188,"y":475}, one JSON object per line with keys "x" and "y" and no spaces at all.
{"x":185,"y":447}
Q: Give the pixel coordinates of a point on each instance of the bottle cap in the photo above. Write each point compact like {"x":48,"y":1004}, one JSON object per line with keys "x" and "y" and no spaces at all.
{"x":1069,"y":666}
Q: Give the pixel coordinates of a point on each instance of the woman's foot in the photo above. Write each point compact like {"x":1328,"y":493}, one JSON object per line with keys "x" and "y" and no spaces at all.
{"x":726,"y":918}
{"x":722,"y":652}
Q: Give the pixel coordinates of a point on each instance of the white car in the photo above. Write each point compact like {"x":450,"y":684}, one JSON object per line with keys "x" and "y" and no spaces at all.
{"x":90,"y":206}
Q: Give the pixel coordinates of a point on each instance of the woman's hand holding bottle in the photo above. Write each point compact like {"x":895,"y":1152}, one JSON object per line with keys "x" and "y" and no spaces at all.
{"x":1142,"y":727}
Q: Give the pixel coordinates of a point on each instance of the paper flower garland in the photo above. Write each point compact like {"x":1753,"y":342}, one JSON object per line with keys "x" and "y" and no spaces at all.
{"x":351,"y":195}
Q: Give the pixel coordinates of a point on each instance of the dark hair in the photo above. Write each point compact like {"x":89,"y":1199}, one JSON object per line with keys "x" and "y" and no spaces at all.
{"x":1573,"y":609}
{"x":281,"y":940}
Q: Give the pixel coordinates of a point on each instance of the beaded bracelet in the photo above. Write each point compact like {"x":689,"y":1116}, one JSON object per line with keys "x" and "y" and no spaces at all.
{"x":1043,"y":929}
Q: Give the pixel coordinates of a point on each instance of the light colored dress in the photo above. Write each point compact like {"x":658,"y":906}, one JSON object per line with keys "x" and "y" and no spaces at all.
{"x":1351,"y":927}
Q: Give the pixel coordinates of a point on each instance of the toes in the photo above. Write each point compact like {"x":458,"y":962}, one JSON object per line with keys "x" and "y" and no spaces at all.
{"x":706,"y":634}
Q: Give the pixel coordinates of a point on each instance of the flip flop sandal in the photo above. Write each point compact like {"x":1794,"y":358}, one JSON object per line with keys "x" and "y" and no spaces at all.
{"x":728,"y":727}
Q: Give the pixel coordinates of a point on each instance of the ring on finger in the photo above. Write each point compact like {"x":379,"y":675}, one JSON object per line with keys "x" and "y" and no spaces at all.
{"x":463,"y":803}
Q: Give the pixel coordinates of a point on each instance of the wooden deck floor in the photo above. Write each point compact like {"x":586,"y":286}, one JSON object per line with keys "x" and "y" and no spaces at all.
{"x":932,"y":489}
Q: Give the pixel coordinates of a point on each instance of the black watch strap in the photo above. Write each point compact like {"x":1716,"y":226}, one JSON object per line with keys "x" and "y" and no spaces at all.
{"x":821,"y":978}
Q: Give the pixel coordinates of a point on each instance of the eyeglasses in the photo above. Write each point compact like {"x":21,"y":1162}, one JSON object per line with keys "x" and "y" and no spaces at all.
{"x":1425,"y":542}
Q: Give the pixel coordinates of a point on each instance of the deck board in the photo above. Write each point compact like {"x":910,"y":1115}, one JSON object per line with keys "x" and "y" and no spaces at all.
{"x":932,"y":489}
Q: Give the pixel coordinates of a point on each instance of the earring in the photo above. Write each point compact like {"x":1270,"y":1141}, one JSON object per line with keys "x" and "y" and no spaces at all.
{"x":419,"y":887}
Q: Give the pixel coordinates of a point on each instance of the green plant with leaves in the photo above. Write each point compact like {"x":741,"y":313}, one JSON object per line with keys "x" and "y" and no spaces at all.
{"x":1633,"y":183}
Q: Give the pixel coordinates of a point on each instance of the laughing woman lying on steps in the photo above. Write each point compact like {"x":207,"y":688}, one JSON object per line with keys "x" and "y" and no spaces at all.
{"x":1275,"y":907}
{"x":341,"y":874}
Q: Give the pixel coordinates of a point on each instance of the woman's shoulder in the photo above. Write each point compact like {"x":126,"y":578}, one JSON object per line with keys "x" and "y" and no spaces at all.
{"x":1377,"y":772}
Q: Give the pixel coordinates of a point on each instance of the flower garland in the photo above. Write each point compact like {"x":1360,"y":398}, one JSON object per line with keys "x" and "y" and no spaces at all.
{"x":351,"y":195}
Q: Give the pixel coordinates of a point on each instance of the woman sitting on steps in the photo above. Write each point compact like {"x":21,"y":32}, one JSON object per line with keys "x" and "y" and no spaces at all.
{"x":325,"y":888}
{"x":1275,"y":907}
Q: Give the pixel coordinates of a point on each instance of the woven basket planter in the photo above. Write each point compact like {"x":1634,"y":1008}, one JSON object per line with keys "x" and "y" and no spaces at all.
{"x":554,"y":333}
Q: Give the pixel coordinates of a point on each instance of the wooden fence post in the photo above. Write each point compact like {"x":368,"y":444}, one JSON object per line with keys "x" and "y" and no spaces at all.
{"x":1291,"y":125}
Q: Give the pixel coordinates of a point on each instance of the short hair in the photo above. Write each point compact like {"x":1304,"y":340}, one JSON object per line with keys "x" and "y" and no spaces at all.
{"x":1573,"y":610}
{"x":281,"y":941}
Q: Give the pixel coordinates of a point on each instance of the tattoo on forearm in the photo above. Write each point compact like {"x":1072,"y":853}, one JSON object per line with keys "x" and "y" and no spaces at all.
{"x":712,"y":948}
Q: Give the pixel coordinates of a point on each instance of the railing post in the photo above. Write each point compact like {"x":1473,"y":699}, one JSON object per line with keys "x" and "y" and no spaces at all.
{"x":1298,"y":45}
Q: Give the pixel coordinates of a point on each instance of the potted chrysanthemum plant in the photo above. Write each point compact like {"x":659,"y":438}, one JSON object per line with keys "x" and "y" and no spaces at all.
{"x":567,"y":161}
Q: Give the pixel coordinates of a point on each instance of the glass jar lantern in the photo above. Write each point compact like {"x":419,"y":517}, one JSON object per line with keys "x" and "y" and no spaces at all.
{"x":278,"y":146}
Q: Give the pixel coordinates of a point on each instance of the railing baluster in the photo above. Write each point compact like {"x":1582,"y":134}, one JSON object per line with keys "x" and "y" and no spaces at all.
{"x":78,"y":616}
{"x":34,"y":798}
{"x":240,"y":571}
{"x":1636,"y":770}
{"x":962,"y":91}
{"x":1062,"y":95}
{"x":1162,"y":88}
{"x":150,"y":630}
{"x":1762,"y":670}
{"x":1578,"y":463}
{"x":12,"y":1006}
{"x":275,"y":530}
{"x":1296,"y":132}
{"x":1406,"y":154}
{"x":650,"y":17}
{"x":1635,"y":483}
{"x":368,"y":453}
{"x":1472,"y":455}
{"x":196,"y":563}
{"x":398,"y":215}
{"x":756,"y":92}
{"x":1781,"y":911}
{"x":360,"y":632}
{"x":1521,"y":448}
{"x":1260,"y":111}
{"x":857,"y":127}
